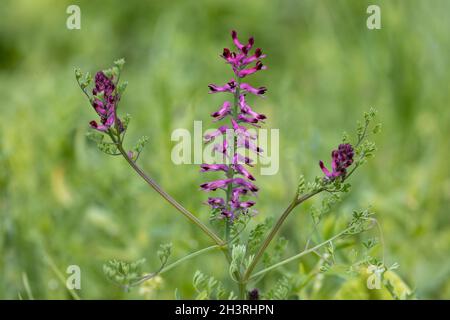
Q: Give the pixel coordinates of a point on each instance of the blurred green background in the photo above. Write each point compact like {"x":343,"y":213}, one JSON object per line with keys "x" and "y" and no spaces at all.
{"x":63,"y":200}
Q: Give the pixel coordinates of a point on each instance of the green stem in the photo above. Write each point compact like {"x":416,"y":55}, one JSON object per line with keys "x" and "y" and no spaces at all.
{"x":275,"y":229}
{"x":169,"y":199}
{"x":227,"y":230}
{"x":301,"y":254}
{"x":380,"y":231}
{"x":242,"y":291}
{"x":189,"y":256}
{"x":174,"y":264}
{"x":61,"y":277}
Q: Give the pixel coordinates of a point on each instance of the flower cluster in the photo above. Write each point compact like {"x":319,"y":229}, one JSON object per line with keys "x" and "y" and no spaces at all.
{"x":104,"y":102}
{"x":253,"y":294}
{"x":342,"y":158}
{"x":239,"y":181}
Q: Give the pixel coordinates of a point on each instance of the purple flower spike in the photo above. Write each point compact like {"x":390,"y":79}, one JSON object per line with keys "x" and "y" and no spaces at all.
{"x":106,"y":106}
{"x":241,"y":115}
{"x":342,"y":158}
{"x":103,"y":84}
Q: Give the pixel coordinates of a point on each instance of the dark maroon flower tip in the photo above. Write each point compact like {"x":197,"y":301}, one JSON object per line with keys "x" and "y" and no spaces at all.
{"x":262,"y":90}
{"x":259,"y":65}
{"x":232,"y":84}
{"x":258,"y":52}
{"x":93,"y":124}
{"x":233,"y":34}
{"x":244,"y":50}
{"x":321,"y":164}
{"x":253,"y":294}
{"x":226,"y":53}
{"x":251,"y":41}
{"x":212,"y":87}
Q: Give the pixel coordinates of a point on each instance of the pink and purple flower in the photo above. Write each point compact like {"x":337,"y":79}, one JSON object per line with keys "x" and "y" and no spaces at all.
{"x":104,"y":102}
{"x":239,"y":113}
{"x":341,"y":159}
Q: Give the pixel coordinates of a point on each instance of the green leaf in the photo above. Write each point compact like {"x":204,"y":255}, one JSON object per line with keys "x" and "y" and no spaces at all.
{"x":377,"y":128}
{"x":345,"y":137}
{"x":177,"y":294}
{"x":95,"y":136}
{"x":108,"y":148}
{"x":121,"y":87}
{"x":274,"y":255}
{"x":78,"y":74}
{"x":119,"y":63}
{"x":126,"y":121}
{"x":256,"y":235}
{"x":301,"y":185}
{"x":140,"y":144}
{"x":237,"y":260}
{"x":207,"y":287}
{"x":280,"y":291}
{"x":164,"y":252}
{"x":123,"y":273}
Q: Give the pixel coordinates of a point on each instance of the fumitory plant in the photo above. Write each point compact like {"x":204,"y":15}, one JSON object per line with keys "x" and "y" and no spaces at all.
{"x":245,"y":246}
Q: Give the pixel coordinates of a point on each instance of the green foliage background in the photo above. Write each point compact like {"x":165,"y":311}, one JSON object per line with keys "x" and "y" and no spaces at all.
{"x":61,"y":199}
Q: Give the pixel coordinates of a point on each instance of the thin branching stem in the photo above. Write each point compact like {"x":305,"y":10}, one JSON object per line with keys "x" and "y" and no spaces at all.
{"x":301,"y":254}
{"x":164,"y":268}
{"x":297,"y":200}
{"x":166,"y":196}
{"x":171,"y":200}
